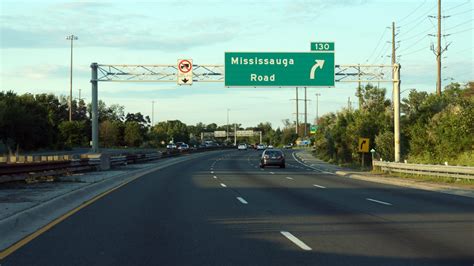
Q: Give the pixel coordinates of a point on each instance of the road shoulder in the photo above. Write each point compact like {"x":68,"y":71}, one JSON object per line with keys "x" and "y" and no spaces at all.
{"x":306,"y":158}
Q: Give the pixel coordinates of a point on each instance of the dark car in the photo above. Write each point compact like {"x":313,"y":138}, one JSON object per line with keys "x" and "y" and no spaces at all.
{"x":272,"y":157}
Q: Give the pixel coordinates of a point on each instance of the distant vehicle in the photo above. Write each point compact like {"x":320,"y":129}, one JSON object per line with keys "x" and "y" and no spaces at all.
{"x":270,"y":146}
{"x":183,"y":147}
{"x":272,"y":157}
{"x":242,"y":147}
{"x":288,"y":146}
{"x":260,"y":147}
{"x":171,"y":146}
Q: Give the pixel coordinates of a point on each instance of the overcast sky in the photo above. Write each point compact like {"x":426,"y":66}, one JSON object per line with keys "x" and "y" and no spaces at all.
{"x":35,"y":56}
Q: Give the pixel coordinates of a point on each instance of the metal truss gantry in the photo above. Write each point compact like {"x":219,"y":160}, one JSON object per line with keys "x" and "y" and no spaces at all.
{"x":215,"y":73}
{"x":157,"y":73}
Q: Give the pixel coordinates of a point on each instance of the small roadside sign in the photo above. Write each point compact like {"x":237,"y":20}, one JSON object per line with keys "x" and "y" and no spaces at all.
{"x":364,"y":145}
{"x":185,"y":71}
{"x":313,"y":129}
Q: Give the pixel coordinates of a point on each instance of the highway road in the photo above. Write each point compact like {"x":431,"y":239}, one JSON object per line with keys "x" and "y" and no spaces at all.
{"x":222,"y":209}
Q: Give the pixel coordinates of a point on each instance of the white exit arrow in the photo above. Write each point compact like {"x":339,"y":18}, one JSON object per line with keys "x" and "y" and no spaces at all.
{"x":319,"y":64}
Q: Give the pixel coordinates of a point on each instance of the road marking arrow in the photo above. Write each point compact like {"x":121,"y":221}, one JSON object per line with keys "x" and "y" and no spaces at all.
{"x":319,"y":64}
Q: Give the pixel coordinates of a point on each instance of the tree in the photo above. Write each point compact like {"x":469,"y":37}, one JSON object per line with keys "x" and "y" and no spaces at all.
{"x":109,"y":133}
{"x":73,"y":133}
{"x":133,"y":136}
{"x":23,"y":122}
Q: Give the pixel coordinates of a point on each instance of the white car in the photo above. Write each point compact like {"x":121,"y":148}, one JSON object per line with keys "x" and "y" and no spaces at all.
{"x":242,"y":147}
{"x":261,"y":147}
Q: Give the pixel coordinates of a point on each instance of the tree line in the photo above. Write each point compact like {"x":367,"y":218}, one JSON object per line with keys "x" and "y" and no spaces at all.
{"x":433,"y":129}
{"x":31,"y":122}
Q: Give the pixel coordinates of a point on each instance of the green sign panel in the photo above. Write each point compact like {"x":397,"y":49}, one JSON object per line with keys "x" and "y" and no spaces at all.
{"x":322,"y":46}
{"x":279,"y":69}
{"x":313,"y":129}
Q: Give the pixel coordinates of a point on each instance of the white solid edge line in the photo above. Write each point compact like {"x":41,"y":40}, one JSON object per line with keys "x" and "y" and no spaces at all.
{"x":242,"y":200}
{"x":378,"y":201}
{"x":318,"y":186}
{"x":295,"y":240}
{"x":223,"y":185}
{"x":290,"y":178}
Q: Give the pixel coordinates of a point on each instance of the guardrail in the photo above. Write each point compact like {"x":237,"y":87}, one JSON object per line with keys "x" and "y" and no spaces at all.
{"x":426,"y":169}
{"x":30,"y":167}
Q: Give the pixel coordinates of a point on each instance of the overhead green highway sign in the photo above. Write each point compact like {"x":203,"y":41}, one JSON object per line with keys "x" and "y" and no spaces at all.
{"x":322,"y":46}
{"x":279,"y":69}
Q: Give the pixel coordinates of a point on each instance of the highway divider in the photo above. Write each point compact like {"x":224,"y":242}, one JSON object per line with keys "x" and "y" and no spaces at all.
{"x":23,"y":168}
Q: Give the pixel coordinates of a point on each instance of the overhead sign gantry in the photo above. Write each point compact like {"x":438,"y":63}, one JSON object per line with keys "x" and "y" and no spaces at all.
{"x":266,"y":69}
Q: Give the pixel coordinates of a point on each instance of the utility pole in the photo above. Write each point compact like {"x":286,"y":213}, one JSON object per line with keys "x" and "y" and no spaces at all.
{"x":305,"y":114}
{"x":297,"y":112}
{"x":152,"y":113}
{"x":393,"y":57}
{"x":79,"y":94}
{"x":235,"y":134}
{"x":72,"y":38}
{"x":317,"y":108}
{"x":349,"y":103}
{"x":438,"y":51}
{"x":396,"y":111}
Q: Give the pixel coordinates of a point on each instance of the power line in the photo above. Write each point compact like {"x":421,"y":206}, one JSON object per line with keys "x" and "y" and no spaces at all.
{"x":420,"y":17}
{"x":378,"y":43}
{"x":467,"y":2}
{"x":414,"y":43}
{"x":462,"y":12}
{"x":382,"y":51}
{"x":411,"y":13}
{"x":414,"y":52}
{"x":417,"y":35}
{"x":461,"y":31}
{"x":460,"y":24}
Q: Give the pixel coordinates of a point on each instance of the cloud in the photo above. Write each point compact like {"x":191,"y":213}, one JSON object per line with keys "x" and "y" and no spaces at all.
{"x":48,"y":71}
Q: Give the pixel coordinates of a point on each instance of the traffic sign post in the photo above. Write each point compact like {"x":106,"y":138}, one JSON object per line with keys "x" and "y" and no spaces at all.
{"x":185,"y":72}
{"x":279,"y":69}
{"x":363,"y":148}
{"x":313,"y":129}
{"x":364,"y":145}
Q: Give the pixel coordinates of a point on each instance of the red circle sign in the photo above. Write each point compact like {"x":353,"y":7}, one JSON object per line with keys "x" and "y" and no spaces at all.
{"x":185,"y":66}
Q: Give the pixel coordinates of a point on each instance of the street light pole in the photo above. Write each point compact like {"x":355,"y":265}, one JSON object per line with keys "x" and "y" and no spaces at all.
{"x":152,"y":113}
{"x":227,"y":131}
{"x":71,"y":38}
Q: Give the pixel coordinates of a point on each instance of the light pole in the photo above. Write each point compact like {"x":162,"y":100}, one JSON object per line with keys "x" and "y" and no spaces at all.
{"x":71,"y":38}
{"x":227,"y":131}
{"x":152,"y":113}
{"x":317,"y":108}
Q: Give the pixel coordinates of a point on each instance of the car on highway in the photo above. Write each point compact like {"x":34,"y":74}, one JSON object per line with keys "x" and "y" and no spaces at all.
{"x":242,"y":147}
{"x":183,"y":147}
{"x":261,"y":147}
{"x":272,"y":157}
{"x":171,"y":146}
{"x":288,"y":146}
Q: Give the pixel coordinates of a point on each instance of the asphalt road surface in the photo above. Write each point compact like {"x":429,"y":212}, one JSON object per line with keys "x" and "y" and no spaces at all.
{"x":222,"y":209}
